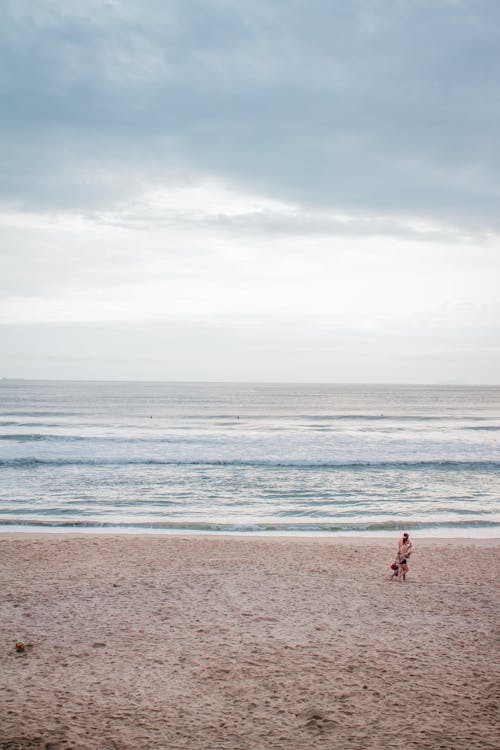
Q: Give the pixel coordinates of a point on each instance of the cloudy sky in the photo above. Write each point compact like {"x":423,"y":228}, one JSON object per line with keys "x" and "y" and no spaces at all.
{"x":280,"y":190}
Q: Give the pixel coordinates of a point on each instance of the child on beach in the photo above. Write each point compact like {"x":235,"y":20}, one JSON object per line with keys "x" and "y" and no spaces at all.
{"x":395,"y":569}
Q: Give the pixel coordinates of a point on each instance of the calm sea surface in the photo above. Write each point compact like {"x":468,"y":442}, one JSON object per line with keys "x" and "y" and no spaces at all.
{"x":249,"y":457}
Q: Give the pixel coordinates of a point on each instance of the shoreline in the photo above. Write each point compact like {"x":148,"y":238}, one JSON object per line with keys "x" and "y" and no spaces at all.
{"x":202,"y":642}
{"x":441,"y":533}
{"x":256,"y":537}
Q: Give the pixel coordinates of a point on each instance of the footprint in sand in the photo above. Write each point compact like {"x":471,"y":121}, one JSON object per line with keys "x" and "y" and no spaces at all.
{"x":317,"y":721}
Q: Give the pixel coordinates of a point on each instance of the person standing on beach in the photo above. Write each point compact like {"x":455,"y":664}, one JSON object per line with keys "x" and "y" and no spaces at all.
{"x":405,"y":548}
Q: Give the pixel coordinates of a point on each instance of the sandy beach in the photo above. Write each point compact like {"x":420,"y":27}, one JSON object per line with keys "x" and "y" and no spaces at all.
{"x":210,"y":642}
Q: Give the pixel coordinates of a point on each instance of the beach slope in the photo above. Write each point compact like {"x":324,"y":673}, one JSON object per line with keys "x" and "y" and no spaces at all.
{"x":208,"y":643}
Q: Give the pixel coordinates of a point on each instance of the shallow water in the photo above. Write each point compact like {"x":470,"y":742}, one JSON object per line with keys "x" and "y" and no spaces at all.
{"x":249,"y":457}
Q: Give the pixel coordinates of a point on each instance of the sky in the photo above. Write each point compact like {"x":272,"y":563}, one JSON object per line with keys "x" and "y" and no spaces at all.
{"x":281,"y":190}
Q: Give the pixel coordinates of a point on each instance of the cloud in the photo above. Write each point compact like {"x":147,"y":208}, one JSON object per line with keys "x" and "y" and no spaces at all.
{"x":379,"y":107}
{"x":162,"y":259}
{"x":303,"y":189}
{"x":265,"y":349}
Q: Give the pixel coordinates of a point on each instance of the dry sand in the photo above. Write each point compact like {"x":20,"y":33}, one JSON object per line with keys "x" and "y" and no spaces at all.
{"x":207,"y":643}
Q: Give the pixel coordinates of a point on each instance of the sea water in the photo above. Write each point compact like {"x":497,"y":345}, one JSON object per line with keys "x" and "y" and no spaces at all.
{"x":249,"y":457}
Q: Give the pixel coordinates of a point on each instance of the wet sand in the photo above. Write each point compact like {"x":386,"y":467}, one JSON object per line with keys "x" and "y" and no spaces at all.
{"x":209,"y":642}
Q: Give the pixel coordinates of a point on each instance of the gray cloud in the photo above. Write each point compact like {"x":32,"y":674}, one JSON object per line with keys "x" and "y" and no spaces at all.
{"x":284,"y":190}
{"x":265,"y":350}
{"x":385,"y":107}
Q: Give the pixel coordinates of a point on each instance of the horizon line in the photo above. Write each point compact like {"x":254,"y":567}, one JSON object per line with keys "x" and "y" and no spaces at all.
{"x":438,"y":384}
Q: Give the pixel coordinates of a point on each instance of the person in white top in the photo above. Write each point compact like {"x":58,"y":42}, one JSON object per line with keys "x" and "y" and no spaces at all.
{"x":405,"y":548}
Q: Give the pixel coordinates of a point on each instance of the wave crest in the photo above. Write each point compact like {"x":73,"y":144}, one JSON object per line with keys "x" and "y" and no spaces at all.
{"x":445,"y":465}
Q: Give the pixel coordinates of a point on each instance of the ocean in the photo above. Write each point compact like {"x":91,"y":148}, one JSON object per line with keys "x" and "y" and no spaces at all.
{"x":249,"y":458}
